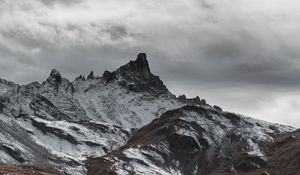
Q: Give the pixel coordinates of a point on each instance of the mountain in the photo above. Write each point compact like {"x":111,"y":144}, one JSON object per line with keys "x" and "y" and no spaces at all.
{"x":195,"y":140}
{"x":59,"y":123}
{"x":127,"y":122}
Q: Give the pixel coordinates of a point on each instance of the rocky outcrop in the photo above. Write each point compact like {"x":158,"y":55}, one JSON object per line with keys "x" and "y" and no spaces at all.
{"x":196,"y":100}
{"x":80,"y":77}
{"x":109,"y":76}
{"x":54,"y":80}
{"x":139,"y":77}
{"x":91,"y":76}
{"x":55,"y":77}
{"x":6,"y":86}
{"x":137,"y":69}
{"x":217,"y":108}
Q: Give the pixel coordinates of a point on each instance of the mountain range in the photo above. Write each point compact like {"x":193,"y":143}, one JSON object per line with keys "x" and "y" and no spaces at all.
{"x":127,"y":122}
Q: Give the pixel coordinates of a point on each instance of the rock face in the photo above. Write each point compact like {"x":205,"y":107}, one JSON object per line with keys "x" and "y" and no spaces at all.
{"x":109,"y":76}
{"x":55,"y":77}
{"x":91,"y":76}
{"x":195,"y":100}
{"x":6,"y":86}
{"x":139,"y":68}
{"x":139,"y":78}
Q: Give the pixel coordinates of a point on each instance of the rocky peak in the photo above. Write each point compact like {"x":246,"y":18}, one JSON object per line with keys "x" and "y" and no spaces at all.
{"x":139,"y":67}
{"x":6,"y":82}
{"x":109,"y":76}
{"x":31,"y":87}
{"x":55,"y":75}
{"x":80,"y":77}
{"x":5,"y":86}
{"x":142,"y":64}
{"x":182,"y":97}
{"x":91,"y":76}
{"x":138,"y":75}
{"x":196,"y":100}
{"x":55,"y":80}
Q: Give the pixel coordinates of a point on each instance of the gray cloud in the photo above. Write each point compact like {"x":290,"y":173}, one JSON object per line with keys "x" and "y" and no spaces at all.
{"x":242,"y":55}
{"x":64,"y":2}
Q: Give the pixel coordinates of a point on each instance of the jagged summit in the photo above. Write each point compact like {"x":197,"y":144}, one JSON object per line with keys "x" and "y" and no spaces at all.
{"x":6,"y":86}
{"x":135,"y":76}
{"x":91,"y":75}
{"x":55,"y":75}
{"x":80,"y":77}
{"x":138,"y":74}
{"x":109,"y":76}
{"x":3,"y":81}
{"x":142,"y":57}
{"x":139,"y":67}
{"x":195,"y":100}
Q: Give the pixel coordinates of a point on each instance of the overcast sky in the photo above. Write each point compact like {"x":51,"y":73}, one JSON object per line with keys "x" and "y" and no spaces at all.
{"x":243,"y":55}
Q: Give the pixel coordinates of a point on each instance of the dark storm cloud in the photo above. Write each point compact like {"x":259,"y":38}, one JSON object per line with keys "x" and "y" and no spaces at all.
{"x":242,"y":55}
{"x":233,"y":73}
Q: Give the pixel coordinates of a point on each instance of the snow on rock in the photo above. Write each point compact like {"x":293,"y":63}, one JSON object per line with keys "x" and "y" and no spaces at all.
{"x":146,"y":167}
{"x":114,"y":104}
{"x":62,"y":145}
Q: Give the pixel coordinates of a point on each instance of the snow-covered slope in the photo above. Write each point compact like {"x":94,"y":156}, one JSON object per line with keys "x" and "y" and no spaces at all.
{"x":61,"y":145}
{"x":192,"y":140}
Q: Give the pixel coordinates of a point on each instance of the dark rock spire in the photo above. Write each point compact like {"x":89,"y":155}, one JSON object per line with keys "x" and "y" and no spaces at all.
{"x":109,"y":76}
{"x":137,"y":73}
{"x":80,"y":77}
{"x":55,"y":75}
{"x":55,"y":79}
{"x":91,"y":76}
{"x":139,"y":67}
{"x":196,"y":100}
